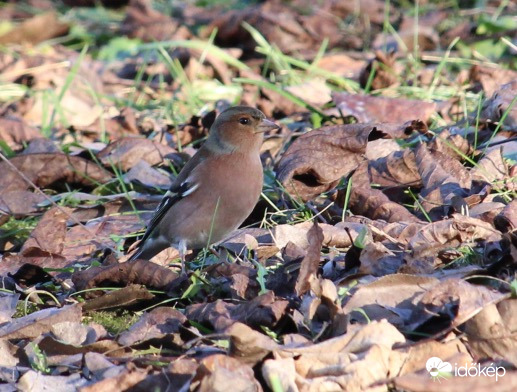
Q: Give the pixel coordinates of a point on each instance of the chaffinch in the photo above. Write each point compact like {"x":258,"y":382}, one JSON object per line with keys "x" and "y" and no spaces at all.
{"x":215,"y":191}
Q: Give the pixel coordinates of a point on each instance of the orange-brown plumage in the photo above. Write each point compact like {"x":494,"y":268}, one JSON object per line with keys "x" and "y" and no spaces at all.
{"x":216,"y":190}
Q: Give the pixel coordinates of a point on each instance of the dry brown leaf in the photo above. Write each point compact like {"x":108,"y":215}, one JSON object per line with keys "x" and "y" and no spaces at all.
{"x":315,"y":162}
{"x":248,"y":345}
{"x":396,"y":169}
{"x":374,"y":204}
{"x":49,"y":233}
{"x":385,"y":74}
{"x":492,"y":332}
{"x":499,"y":104}
{"x":121,"y":382}
{"x":352,"y":361}
{"x":136,"y":272}
{"x":264,"y":310}
{"x":143,"y":173}
{"x":37,"y":323}
{"x":157,"y":324}
{"x":37,"y":29}
{"x":455,"y":300}
{"x":148,"y":24}
{"x":36,"y":381}
{"x":15,"y":131}
{"x":46,"y":170}
{"x":419,"y":353}
{"x":8,"y":304}
{"x":425,"y":246}
{"x":445,"y":182}
{"x":20,"y":203}
{"x":127,"y":152}
{"x":221,"y":373}
{"x":392,"y":297}
{"x":506,"y":220}
{"x":490,"y":79}
{"x":311,"y":261}
{"x":373,"y":109}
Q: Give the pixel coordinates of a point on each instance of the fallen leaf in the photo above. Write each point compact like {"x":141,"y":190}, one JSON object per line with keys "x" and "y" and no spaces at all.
{"x":310,"y":263}
{"x":37,"y":323}
{"x":46,"y":170}
{"x":157,"y":324}
{"x":374,"y":109}
{"x":315,"y":162}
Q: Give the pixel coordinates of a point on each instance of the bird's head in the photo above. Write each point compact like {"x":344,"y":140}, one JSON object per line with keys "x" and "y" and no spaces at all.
{"x":239,"y":128}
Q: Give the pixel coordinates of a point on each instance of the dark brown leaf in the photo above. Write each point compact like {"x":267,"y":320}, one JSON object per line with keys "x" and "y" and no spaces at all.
{"x":315,"y":162}
{"x":264,"y":310}
{"x":137,"y":272}
{"x":46,"y":170}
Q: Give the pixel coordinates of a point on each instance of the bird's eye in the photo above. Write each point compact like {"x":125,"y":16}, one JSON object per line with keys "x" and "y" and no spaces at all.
{"x":244,"y":121}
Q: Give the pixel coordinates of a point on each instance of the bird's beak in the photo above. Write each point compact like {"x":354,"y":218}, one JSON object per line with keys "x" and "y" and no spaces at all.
{"x":266,"y":125}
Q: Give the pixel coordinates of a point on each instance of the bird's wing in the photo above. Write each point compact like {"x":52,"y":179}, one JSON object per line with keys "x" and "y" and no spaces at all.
{"x":183,"y":186}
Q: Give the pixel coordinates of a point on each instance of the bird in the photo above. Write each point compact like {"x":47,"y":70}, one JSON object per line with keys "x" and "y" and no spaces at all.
{"x":215,"y":191}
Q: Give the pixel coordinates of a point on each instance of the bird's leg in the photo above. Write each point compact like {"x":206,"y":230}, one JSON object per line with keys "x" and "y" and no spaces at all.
{"x":182,"y":248}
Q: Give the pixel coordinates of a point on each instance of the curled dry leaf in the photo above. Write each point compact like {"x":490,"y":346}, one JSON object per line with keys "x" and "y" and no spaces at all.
{"x":248,"y":345}
{"x":374,"y":204}
{"x":490,"y":79}
{"x":426,"y":245}
{"x":373,"y":109}
{"x":49,"y":234}
{"x":311,"y":261}
{"x":143,"y":173}
{"x":32,"y":381}
{"x":98,"y":234}
{"x":392,"y":297}
{"x":506,"y":221}
{"x":349,"y":362}
{"x":46,"y":170}
{"x":221,"y":373}
{"x":491,"y":169}
{"x":136,"y":272}
{"x":40,"y":322}
{"x":384,"y":67}
{"x":148,"y":24}
{"x":454,"y":300}
{"x":264,"y":310}
{"x":445,"y":181}
{"x":127,"y":152}
{"x":37,"y":29}
{"x":126,"y":296}
{"x":123,"y":381}
{"x":492,"y":332}
{"x":397,"y":169}
{"x":315,"y":162}
{"x":15,"y":131}
{"x":502,"y":102}
{"x":156,"y":324}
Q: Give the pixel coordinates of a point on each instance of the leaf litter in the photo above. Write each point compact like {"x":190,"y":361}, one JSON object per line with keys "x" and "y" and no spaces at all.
{"x":385,"y":235}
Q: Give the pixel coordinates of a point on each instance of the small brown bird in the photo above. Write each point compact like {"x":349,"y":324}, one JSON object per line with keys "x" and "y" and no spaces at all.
{"x":215,"y":191}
